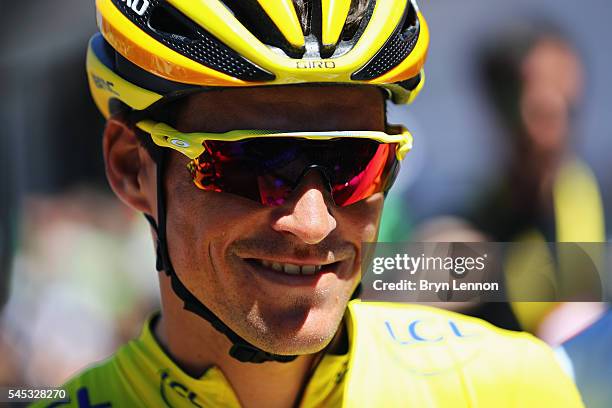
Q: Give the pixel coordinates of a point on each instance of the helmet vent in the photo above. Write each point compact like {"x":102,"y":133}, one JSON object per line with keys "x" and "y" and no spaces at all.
{"x":253,"y":17}
{"x":410,"y":26}
{"x":396,"y":49}
{"x":361,"y":11}
{"x":304,"y":11}
{"x":310,"y":13}
{"x":168,"y":21}
{"x":359,"y":16}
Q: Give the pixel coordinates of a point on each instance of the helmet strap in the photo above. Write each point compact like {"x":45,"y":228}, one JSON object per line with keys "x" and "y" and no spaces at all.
{"x":241,"y":349}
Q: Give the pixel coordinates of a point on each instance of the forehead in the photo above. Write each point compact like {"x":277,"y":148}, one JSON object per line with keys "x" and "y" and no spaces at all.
{"x":549,"y":54}
{"x":554,"y":64}
{"x":284,"y":108}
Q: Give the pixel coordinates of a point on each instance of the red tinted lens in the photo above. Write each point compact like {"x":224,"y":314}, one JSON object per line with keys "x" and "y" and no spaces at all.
{"x":225,"y":167}
{"x":267,"y":170}
{"x":374,"y":174}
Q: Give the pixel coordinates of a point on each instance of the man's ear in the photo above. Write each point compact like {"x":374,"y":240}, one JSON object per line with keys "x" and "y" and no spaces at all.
{"x":129,"y":168}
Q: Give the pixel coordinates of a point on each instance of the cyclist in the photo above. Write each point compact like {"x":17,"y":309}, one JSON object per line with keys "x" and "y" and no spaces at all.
{"x":277,"y":110}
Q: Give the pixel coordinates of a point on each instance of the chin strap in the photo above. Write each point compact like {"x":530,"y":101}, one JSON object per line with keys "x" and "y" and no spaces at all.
{"x":241,"y":350}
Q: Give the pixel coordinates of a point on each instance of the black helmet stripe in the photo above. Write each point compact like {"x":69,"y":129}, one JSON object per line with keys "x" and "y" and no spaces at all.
{"x":396,"y":49}
{"x":192,"y":41}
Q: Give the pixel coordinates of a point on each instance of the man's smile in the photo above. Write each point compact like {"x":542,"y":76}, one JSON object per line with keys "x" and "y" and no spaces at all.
{"x":289,"y":268}
{"x":295,"y":273}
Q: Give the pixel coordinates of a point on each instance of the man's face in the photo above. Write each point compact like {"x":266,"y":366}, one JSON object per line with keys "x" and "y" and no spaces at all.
{"x":224,"y":247}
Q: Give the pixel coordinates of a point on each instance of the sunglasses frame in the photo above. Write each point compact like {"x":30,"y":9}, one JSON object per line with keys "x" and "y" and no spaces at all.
{"x":191,"y":144}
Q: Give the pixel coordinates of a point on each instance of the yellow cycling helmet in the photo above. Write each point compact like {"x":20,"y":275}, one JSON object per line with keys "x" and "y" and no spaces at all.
{"x":151,"y":49}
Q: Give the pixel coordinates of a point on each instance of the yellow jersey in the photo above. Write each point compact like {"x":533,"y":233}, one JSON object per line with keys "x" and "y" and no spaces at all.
{"x":400,"y":355}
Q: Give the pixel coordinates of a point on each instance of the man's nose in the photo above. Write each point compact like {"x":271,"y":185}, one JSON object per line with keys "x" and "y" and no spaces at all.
{"x":307,"y":213}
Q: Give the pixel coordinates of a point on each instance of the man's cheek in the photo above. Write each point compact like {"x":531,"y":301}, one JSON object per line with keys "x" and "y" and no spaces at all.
{"x":369,"y":232}
{"x":368,"y":222}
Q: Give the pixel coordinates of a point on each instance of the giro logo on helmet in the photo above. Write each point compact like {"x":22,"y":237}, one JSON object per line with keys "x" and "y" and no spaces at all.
{"x":315,"y":64}
{"x":138,"y":6}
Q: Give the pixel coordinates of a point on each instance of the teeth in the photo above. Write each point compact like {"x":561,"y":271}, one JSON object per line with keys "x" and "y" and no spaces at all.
{"x":292,"y":269}
{"x":308,"y":269}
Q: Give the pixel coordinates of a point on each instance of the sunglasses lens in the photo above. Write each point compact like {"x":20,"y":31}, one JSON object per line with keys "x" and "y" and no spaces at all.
{"x":373,"y":170}
{"x":267,"y":170}
{"x":224,"y":167}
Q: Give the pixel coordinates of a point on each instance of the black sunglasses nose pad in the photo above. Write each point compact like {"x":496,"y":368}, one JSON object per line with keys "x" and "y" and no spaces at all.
{"x":321,"y":170}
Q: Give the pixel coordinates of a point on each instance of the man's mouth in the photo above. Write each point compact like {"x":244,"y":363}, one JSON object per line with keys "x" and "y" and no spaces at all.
{"x":291,"y":268}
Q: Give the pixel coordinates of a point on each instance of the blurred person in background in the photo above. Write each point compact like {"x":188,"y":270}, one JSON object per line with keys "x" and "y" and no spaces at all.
{"x":60,"y":318}
{"x":57,"y":319}
{"x":534,"y":78}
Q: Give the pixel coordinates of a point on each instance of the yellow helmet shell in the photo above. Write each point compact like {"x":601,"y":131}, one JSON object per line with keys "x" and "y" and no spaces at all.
{"x":149,"y":49}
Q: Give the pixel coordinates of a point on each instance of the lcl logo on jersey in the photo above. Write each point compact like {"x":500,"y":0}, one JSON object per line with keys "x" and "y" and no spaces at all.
{"x":138,"y":6}
{"x":176,"y":389}
{"x":418,"y":331}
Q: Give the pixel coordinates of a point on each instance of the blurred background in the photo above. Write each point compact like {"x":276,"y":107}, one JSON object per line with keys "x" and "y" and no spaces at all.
{"x":513,"y":126}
